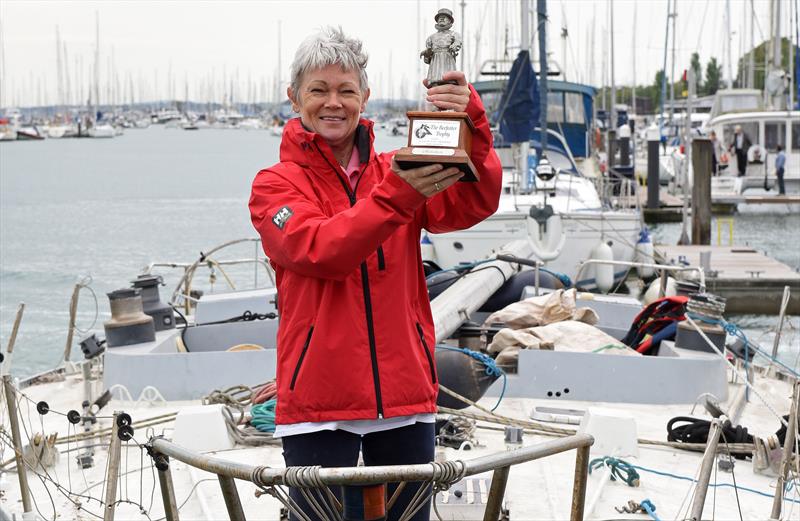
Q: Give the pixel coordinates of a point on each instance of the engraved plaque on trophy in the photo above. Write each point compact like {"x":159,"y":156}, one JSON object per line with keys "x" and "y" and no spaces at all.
{"x":443,"y":137}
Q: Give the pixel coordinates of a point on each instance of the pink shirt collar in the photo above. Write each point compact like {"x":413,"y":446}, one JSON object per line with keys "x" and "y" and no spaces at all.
{"x":352,"y":169}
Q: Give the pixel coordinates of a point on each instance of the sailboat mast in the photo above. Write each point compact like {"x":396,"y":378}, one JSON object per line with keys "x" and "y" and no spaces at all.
{"x":524,"y":46}
{"x":674,"y":15}
{"x":542,"y":30}
{"x":633,"y":49}
{"x":2,"y":66}
{"x":613,"y":120}
{"x":664,"y":71}
{"x":97,"y":60}
{"x":751,"y":61}
{"x":728,"y":67}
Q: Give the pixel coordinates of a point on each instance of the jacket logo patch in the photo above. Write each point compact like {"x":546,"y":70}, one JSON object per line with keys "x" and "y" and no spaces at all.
{"x":282,"y":216}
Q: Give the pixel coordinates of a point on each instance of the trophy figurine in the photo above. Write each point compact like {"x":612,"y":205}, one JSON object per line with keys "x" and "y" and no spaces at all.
{"x":443,"y":137}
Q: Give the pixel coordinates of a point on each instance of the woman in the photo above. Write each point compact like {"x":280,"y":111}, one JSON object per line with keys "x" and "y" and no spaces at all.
{"x":341,"y":226}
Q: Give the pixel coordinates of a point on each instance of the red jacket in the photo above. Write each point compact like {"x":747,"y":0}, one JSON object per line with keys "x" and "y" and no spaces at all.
{"x":356,"y":334}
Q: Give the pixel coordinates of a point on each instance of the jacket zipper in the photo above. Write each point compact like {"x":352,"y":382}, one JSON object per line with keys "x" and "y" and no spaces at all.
{"x":300,"y":360}
{"x":427,"y":353}
{"x":373,"y":351}
{"x":381,"y":259}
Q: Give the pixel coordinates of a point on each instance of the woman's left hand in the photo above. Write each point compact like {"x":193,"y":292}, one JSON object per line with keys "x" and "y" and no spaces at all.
{"x":449,"y":96}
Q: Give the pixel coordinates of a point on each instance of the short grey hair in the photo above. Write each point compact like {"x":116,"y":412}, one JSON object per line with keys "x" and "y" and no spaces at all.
{"x":329,"y":46}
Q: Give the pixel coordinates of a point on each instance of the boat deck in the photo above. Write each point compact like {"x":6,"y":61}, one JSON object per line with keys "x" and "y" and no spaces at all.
{"x":537,"y":490}
{"x":750,"y":280}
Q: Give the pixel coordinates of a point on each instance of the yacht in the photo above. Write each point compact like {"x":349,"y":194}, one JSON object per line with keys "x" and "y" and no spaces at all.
{"x":571,"y":217}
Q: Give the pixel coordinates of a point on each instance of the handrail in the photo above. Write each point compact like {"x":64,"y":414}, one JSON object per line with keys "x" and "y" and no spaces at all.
{"x":370,"y":475}
{"x":189,"y":269}
{"x":266,"y":477}
{"x":665,"y":267}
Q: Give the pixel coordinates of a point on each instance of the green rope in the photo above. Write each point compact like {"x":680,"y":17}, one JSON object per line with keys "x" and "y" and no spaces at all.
{"x":264,"y":416}
{"x":620,"y":469}
{"x":609,"y":346}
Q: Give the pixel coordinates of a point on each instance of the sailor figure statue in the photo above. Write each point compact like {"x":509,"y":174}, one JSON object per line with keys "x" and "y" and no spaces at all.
{"x":441,"y":48}
{"x":443,"y":137}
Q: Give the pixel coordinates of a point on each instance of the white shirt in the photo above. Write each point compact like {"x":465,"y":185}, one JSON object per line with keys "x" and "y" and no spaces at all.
{"x":360,"y":427}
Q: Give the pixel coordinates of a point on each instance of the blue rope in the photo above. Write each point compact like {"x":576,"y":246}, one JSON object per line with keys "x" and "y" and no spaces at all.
{"x":491,"y":367}
{"x":734,"y":330}
{"x":264,"y":415}
{"x":620,"y":469}
{"x":563,"y":277}
{"x":715,"y":485}
{"x":650,"y":508}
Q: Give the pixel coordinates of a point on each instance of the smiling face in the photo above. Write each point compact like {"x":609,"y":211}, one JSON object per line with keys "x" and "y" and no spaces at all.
{"x":330,"y":102}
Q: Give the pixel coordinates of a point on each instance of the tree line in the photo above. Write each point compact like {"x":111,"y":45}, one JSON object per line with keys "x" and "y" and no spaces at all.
{"x":709,"y":78}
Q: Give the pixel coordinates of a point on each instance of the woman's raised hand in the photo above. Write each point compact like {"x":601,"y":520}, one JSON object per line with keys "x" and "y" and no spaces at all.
{"x":430,"y":179}
{"x":449,"y":96}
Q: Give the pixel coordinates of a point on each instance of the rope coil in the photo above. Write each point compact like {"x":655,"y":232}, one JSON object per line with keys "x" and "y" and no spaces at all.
{"x":303,"y":477}
{"x":447,"y":473}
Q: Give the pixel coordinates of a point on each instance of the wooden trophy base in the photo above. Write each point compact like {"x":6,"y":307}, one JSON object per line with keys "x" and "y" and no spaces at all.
{"x":439,"y":138}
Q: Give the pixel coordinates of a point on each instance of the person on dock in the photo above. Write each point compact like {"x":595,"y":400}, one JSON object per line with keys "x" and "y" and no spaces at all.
{"x":716,"y":152}
{"x":780,"y":168}
{"x":741,"y":144}
{"x":341,"y":226}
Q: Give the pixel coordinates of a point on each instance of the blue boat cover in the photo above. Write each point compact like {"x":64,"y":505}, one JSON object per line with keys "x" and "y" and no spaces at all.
{"x":519,"y":105}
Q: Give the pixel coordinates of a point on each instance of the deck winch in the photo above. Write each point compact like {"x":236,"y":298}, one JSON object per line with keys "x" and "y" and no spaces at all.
{"x":128,"y":324}
{"x":163,"y":316}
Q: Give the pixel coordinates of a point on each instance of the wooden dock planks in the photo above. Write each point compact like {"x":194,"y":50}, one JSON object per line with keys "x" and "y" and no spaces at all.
{"x":751,"y":281}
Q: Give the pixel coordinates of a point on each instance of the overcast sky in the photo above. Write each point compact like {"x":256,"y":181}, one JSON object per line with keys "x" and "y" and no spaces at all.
{"x":158,"y":48}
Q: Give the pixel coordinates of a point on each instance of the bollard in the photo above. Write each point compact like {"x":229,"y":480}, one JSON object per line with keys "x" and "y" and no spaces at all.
{"x":701,"y":191}
{"x":653,"y":144}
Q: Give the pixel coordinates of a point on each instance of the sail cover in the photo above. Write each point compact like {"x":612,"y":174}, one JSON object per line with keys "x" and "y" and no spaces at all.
{"x":519,"y":106}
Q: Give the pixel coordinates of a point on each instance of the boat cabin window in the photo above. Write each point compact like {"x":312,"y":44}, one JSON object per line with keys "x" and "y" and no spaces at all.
{"x":573,"y":102}
{"x":750,"y":129}
{"x":555,"y":107}
{"x":795,"y":136}
{"x":774,"y":135}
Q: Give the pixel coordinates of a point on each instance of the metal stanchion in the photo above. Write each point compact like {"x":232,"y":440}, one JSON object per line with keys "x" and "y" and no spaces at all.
{"x":114,"y":450}
{"x":13,"y":419}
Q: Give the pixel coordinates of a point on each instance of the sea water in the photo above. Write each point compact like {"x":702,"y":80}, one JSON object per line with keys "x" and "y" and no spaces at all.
{"x":106,"y":208}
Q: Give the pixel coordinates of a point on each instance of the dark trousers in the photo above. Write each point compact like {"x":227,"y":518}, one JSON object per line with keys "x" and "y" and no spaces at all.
{"x":741,"y":161}
{"x":781,"y":186}
{"x":403,"y":446}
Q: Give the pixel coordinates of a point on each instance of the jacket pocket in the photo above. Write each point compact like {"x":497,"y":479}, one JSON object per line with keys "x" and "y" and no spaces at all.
{"x":300,"y":360}
{"x":427,"y":353}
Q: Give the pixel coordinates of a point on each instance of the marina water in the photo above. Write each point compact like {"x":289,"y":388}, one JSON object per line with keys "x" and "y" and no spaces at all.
{"x":106,"y":208}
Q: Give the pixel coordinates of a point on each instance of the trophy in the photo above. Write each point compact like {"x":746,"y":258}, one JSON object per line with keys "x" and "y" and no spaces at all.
{"x":443,"y":137}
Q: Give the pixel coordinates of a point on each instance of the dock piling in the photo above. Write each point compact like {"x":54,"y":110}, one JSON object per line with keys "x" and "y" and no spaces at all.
{"x":701,"y":190}
{"x":653,"y":184}
{"x":612,"y":148}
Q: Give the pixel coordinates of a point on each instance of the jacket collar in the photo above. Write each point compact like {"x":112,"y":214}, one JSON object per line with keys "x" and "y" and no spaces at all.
{"x":300,"y":145}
